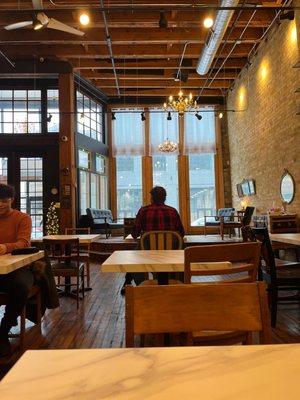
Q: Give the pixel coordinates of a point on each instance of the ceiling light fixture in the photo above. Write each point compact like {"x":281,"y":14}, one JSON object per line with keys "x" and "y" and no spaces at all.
{"x":169,"y":117}
{"x":49,"y":118}
{"x":289,"y":15}
{"x":208,"y":22}
{"x":198,"y":116}
{"x":143,"y":116}
{"x":168,"y":146}
{"x":163,"y":22}
{"x":113,"y":116}
{"x":84,"y":18}
{"x":182,"y":104}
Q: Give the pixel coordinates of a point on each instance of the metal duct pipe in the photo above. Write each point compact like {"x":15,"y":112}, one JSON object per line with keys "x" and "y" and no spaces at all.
{"x":218,"y":31}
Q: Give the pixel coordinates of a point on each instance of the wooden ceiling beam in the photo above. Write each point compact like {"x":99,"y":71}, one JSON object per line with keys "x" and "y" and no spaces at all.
{"x":120,"y":52}
{"x":163,"y":93}
{"x":144,"y":77}
{"x":166,"y":84}
{"x":147,"y":64}
{"x":121,"y":36}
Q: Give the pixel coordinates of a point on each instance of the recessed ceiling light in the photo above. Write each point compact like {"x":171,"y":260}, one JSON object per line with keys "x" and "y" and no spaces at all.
{"x":208,"y":22}
{"x":84,"y":19}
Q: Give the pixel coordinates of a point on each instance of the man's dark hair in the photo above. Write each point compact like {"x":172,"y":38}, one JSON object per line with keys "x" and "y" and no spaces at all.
{"x":159,"y":194}
{"x":6,"y":191}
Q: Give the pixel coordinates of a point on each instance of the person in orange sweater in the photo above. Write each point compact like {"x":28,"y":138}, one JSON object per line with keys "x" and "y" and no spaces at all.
{"x":15,"y":231}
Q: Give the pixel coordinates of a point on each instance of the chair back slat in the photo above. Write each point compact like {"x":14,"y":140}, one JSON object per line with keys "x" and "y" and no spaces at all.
{"x":161,"y":240}
{"x":62,"y":250}
{"x":246,"y":253}
{"x":192,"y":308}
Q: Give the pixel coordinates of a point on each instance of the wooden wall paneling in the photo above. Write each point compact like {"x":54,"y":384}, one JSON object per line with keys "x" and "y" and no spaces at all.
{"x":67,"y":166}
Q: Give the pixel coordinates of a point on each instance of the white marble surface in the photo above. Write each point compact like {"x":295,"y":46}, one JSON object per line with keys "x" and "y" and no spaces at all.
{"x":9,"y":263}
{"x":152,"y":261}
{"x":82,"y":238}
{"x":288,"y":238}
{"x":183,"y":373}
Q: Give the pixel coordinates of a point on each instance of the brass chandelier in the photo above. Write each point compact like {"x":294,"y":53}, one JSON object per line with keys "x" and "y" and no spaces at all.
{"x":182,"y":104}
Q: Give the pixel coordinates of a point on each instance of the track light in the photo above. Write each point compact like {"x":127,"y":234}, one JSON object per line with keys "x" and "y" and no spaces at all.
{"x":169,"y":117}
{"x":163,"y":22}
{"x":113,"y":116}
{"x":290,"y":15}
{"x":84,"y":19}
{"x":198,"y":116}
{"x":49,"y":118}
{"x":208,"y":22}
{"x":143,"y":116}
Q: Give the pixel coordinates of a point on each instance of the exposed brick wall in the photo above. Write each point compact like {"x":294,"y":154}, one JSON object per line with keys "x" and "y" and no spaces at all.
{"x":265,"y":138}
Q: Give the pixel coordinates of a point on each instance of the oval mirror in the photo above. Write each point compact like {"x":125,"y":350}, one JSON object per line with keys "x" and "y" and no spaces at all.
{"x":287,"y":187}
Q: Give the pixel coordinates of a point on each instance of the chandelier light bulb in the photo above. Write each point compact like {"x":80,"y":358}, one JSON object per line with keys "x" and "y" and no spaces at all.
{"x":84,"y":19}
{"x":220,"y":115}
{"x":208,"y":22}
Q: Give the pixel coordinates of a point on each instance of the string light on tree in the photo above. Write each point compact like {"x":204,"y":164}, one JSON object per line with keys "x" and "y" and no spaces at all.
{"x":52,"y":222}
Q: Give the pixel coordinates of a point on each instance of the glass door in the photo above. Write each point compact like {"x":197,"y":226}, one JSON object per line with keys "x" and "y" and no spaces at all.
{"x":31,"y":192}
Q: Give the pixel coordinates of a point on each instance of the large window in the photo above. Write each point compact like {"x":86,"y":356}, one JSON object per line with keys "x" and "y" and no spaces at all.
{"x":195,"y":153}
{"x":89,"y":117}
{"x":202,"y":187}
{"x":129,"y":187}
{"x":20,"y":111}
{"x":3,"y":170}
{"x":165,"y":167}
{"x":92,"y":181}
{"x":52,"y":110}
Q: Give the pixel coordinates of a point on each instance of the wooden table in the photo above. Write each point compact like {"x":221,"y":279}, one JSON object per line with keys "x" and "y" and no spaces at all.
{"x":287,"y":238}
{"x":83,"y":239}
{"x":190,"y":240}
{"x":160,"y":261}
{"x":9,"y":263}
{"x":189,"y":373}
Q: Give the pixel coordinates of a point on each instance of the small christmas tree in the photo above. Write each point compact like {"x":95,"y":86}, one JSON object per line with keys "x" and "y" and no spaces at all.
{"x":52,"y":223}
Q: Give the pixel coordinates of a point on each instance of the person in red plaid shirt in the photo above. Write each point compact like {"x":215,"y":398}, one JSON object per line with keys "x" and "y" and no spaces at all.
{"x":157,"y":216}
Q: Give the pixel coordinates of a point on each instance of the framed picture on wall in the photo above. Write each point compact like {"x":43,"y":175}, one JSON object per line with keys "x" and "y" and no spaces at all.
{"x":245,"y":188}
{"x":239,"y":190}
{"x":252,"y":187}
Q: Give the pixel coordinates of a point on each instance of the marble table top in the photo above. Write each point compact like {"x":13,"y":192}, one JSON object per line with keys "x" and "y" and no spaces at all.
{"x":288,"y":238}
{"x":152,"y":261}
{"x":9,"y":263}
{"x":262,"y":372}
{"x":82,"y":238}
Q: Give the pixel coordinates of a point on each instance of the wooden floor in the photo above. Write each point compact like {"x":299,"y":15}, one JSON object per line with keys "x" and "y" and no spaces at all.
{"x":99,"y":323}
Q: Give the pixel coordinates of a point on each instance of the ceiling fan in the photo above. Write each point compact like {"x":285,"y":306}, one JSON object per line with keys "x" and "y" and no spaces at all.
{"x":41,"y":21}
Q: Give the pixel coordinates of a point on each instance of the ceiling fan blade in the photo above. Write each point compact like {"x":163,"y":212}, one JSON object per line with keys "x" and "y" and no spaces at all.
{"x":37,"y":4}
{"x":18,"y":25}
{"x":54,"y":24}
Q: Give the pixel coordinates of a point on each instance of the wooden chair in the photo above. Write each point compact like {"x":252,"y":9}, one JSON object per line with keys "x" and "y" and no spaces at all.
{"x":280,"y":275}
{"x":245,"y":256}
{"x":84,"y":249}
{"x":190,"y":308}
{"x":64,"y":256}
{"x":237,"y":221}
{"x":161,"y":240}
{"x":33,"y":295}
